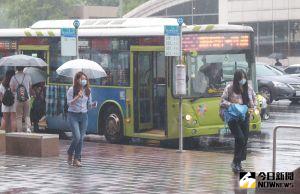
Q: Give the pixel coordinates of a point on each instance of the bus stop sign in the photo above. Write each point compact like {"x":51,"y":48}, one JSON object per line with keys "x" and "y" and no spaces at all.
{"x":76,"y":24}
{"x":68,"y":42}
{"x":172,"y":41}
{"x":180,"y":21}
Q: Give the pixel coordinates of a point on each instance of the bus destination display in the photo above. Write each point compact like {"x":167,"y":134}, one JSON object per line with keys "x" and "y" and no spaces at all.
{"x":216,"y":41}
{"x":8,"y":45}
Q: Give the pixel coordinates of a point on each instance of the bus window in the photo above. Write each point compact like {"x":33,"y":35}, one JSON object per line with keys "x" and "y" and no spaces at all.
{"x":208,"y":74}
{"x":114,"y":56}
{"x":116,"y":65}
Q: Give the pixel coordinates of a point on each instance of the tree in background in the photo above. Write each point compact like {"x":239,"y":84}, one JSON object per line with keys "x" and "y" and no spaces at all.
{"x":101,"y":2}
{"x":23,"y":13}
{"x":129,"y":5}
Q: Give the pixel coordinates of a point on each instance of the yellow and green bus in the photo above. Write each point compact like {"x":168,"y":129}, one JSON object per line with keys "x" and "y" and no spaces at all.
{"x":137,"y":98}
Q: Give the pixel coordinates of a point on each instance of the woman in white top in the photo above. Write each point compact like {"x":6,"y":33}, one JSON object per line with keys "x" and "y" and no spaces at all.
{"x":9,"y":112}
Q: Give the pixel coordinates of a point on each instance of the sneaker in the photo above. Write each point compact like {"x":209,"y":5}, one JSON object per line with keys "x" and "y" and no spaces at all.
{"x":240,"y":167}
{"x":235,"y":167}
{"x":28,"y":130}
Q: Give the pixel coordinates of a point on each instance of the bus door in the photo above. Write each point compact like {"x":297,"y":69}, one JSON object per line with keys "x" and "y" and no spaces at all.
{"x":149,"y":91}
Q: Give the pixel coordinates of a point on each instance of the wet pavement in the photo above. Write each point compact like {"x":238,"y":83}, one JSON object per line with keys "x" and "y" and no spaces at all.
{"x":125,"y":169}
{"x":110,"y":168}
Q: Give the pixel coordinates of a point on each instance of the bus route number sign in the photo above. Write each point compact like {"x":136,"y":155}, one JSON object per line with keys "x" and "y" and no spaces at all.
{"x":172,"y":41}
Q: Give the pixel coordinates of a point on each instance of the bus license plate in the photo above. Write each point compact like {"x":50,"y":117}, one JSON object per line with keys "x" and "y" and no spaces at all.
{"x":297,"y":93}
{"x":224,"y":131}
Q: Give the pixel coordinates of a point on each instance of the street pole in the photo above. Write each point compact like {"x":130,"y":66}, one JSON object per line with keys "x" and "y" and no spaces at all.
{"x":120,"y":8}
{"x":180,"y":22}
{"x":77,"y":49}
{"x":76,"y":24}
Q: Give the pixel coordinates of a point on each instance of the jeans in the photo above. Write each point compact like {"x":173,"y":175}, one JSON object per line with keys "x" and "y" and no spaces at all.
{"x":22,"y":110}
{"x":240,"y":131}
{"x":78,"y":125}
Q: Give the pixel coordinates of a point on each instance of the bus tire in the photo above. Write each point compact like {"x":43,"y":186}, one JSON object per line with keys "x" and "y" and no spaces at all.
{"x":113,"y":125}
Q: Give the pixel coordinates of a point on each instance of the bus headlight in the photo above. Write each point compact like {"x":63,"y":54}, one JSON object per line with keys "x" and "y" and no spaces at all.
{"x":188,"y":117}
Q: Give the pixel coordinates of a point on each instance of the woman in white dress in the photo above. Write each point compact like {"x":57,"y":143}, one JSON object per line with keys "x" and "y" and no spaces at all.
{"x":8,"y":122}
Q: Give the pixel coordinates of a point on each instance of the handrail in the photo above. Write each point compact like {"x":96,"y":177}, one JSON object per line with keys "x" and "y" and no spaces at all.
{"x":274,"y":141}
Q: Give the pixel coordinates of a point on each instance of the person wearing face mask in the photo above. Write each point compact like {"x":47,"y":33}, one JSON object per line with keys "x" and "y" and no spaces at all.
{"x":239,"y":92}
{"x":79,"y":99}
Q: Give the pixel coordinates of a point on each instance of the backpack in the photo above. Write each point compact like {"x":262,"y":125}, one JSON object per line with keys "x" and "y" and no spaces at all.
{"x":8,"y":97}
{"x":22,"y":94}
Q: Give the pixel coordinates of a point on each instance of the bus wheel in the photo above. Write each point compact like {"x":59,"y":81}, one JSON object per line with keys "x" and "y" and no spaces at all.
{"x":113,"y":125}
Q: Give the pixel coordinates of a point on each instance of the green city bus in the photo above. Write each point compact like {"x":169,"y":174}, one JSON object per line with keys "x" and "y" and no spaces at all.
{"x":138,"y":97}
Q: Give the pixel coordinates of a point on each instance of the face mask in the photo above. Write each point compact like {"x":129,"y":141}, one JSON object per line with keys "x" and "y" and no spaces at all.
{"x":83,"y":82}
{"x":242,"y":82}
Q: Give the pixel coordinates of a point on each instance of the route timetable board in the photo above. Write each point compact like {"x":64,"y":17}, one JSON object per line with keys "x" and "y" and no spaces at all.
{"x":172,"y":41}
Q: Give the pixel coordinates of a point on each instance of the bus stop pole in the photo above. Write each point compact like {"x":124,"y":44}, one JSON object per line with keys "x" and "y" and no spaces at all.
{"x":77,"y":47}
{"x":180,"y":97}
{"x":76,"y":24}
{"x":180,"y":126}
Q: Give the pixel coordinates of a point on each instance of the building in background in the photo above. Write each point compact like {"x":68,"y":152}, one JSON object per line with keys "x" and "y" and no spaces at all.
{"x":93,"y":12}
{"x":193,"y":11}
{"x":276,"y":23}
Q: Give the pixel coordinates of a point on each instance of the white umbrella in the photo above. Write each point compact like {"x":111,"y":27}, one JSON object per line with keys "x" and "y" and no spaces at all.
{"x":92,"y":69}
{"x":37,"y":75}
{"x":22,"y":60}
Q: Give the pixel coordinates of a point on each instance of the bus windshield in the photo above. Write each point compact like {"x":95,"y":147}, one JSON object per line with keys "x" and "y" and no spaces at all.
{"x":208,"y":74}
{"x":212,"y":61}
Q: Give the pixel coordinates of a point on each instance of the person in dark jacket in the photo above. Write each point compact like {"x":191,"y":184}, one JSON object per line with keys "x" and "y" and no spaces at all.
{"x":278,"y":63}
{"x":38,"y":108}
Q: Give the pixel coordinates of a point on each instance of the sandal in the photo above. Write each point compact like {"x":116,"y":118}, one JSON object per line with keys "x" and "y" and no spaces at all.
{"x":77,"y":163}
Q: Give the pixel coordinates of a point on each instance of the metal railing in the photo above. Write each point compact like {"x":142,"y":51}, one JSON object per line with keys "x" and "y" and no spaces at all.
{"x":274,"y":141}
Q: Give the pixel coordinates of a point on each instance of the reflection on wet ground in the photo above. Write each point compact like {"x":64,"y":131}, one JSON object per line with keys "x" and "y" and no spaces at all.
{"x":288,"y":140}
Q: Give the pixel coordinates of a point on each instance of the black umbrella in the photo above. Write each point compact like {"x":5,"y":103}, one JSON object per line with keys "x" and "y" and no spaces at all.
{"x":277,"y":56}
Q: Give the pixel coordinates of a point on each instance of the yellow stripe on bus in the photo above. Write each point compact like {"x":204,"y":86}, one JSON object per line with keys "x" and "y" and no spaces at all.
{"x":27,"y":33}
{"x":39,"y":33}
{"x":209,"y":27}
{"x":197,"y":28}
{"x":50,"y":33}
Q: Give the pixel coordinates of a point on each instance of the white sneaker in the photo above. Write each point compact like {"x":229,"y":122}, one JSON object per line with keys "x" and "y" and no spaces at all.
{"x":28,"y":130}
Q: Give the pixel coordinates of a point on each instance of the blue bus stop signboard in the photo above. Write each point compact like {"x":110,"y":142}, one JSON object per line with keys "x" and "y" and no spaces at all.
{"x":68,"y":42}
{"x":172,"y":41}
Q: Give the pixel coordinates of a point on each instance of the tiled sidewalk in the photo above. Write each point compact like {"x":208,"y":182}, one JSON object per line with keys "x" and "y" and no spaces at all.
{"x":124,"y":169}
